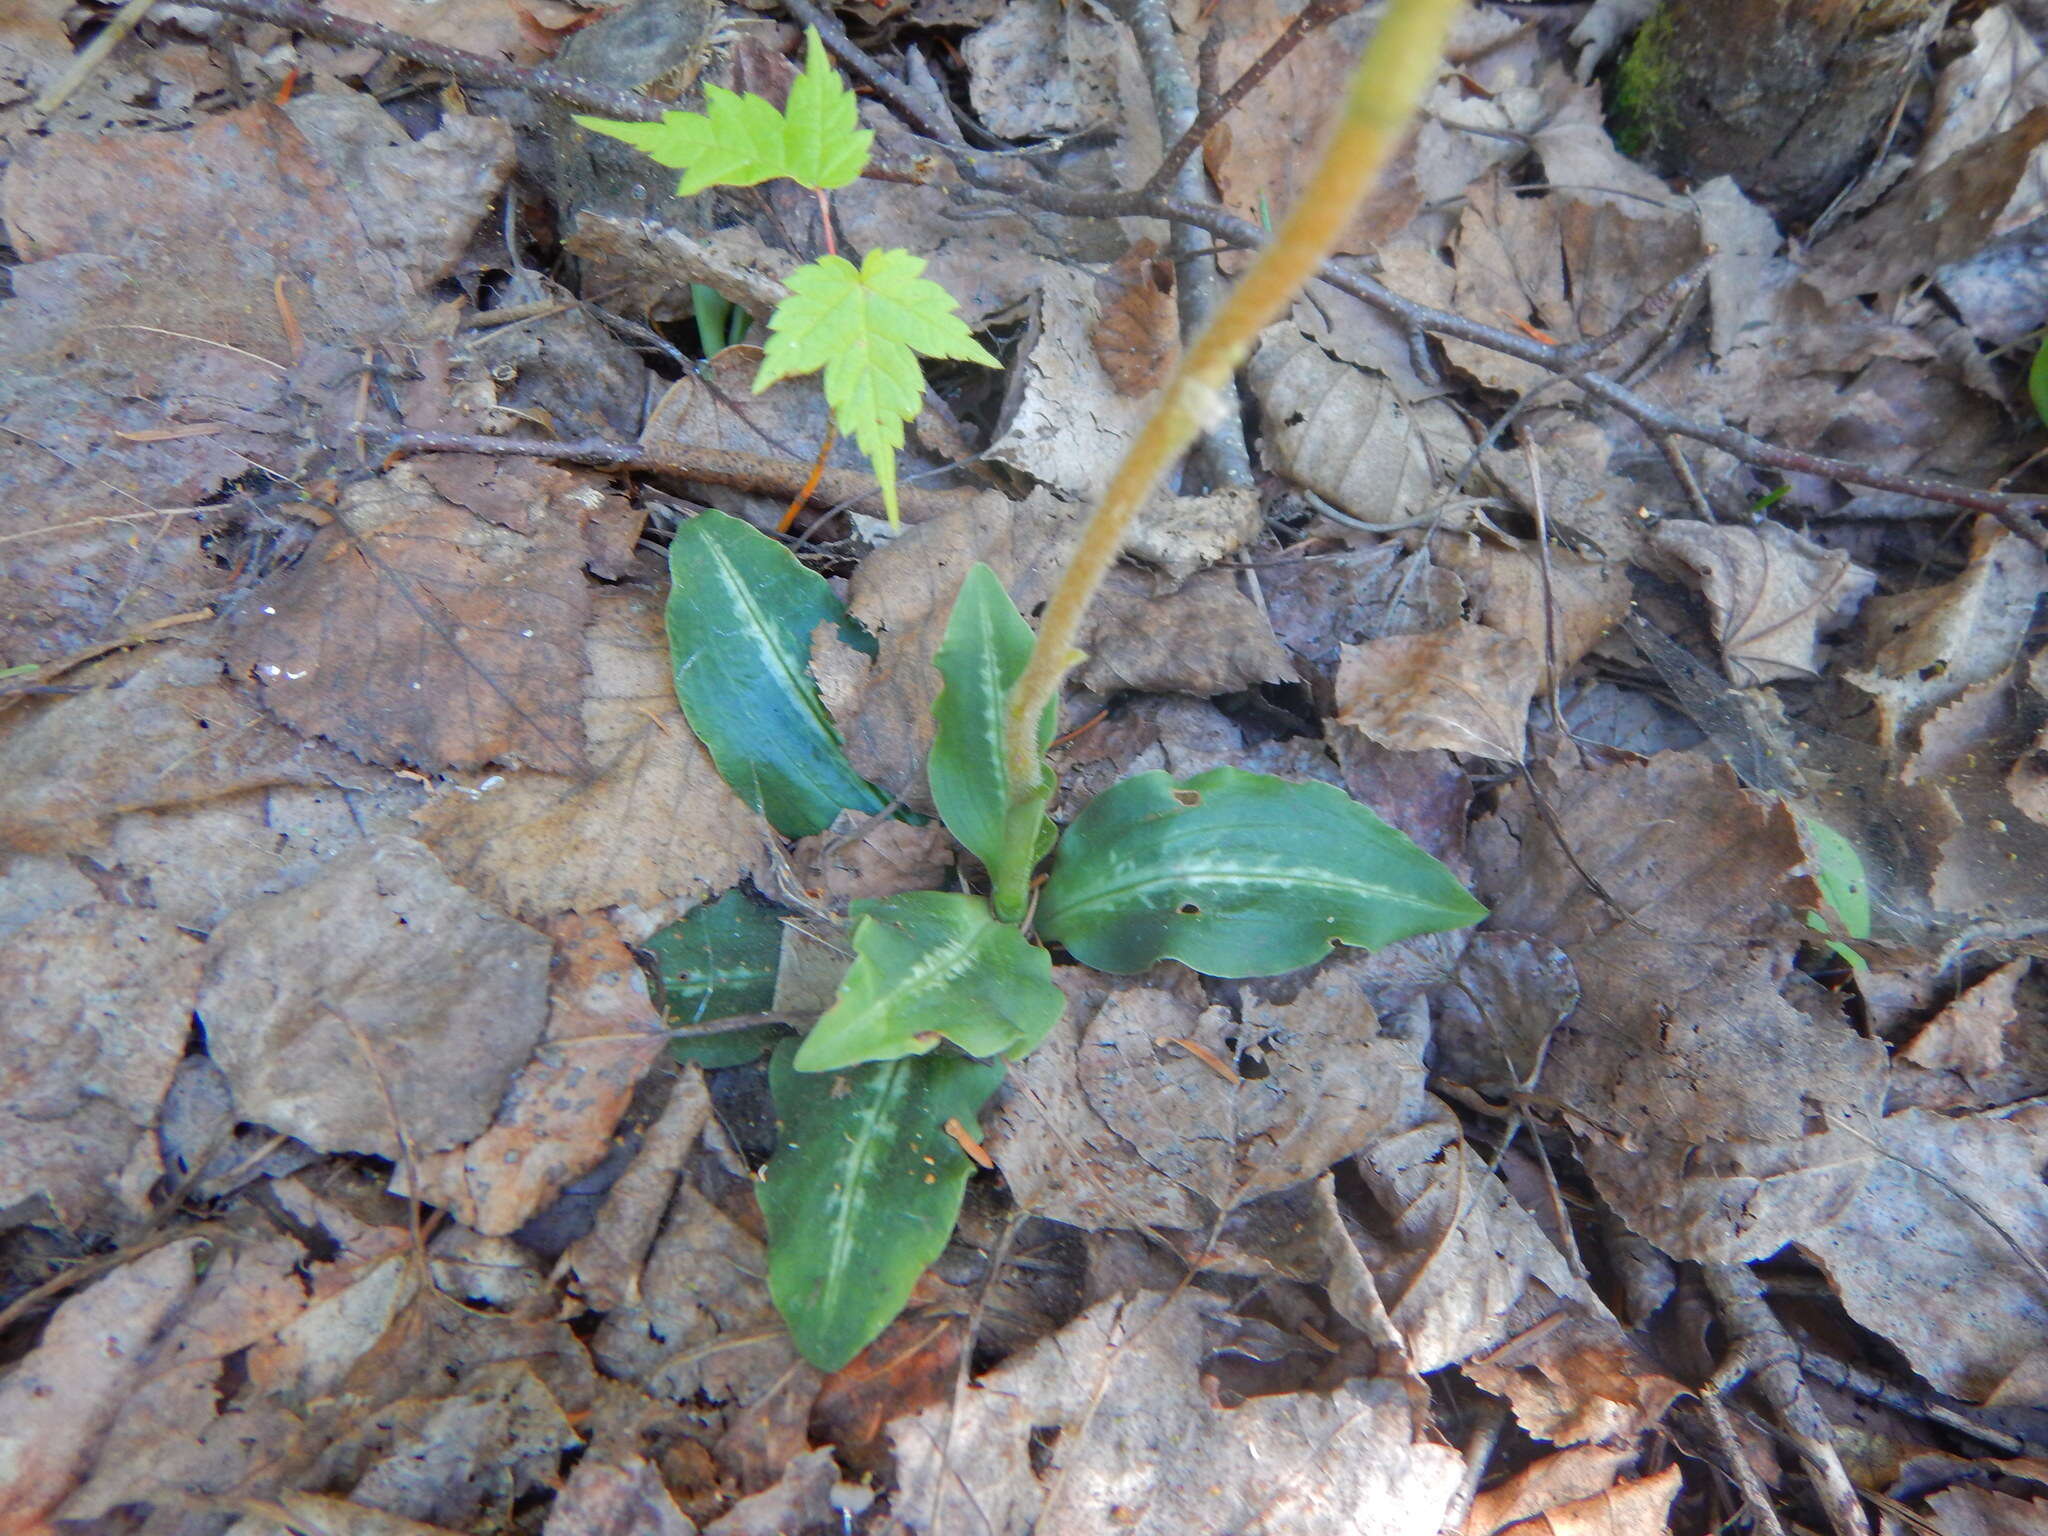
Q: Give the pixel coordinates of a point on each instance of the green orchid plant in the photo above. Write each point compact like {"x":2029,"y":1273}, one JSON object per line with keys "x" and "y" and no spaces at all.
{"x":1232,"y":873}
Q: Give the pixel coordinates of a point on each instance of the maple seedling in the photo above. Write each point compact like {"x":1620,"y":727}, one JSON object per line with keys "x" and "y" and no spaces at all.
{"x":866,"y":326}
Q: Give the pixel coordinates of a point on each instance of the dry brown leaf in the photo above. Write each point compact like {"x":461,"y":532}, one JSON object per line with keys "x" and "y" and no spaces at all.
{"x":1928,"y":646}
{"x":859,"y":859}
{"x":108,"y":333}
{"x":1138,"y":1447}
{"x":1773,"y":593}
{"x":1261,"y":162}
{"x":1462,"y":689}
{"x":601,"y":1499}
{"x":1451,"y":1252}
{"x":1495,"y":1016}
{"x":458,"y":1459}
{"x":419,"y":200}
{"x":655,"y":822}
{"x":1639,"y":1508}
{"x":294,"y":1323}
{"x":1930,"y":220}
{"x":799,"y":1500}
{"x":1347,"y":434}
{"x":152,"y":730}
{"x":413,"y":631}
{"x":1183,"y":534}
{"x":1137,"y":329}
{"x":1204,"y":638}
{"x":606,"y":1260}
{"x":1059,"y":1156}
{"x":1964,"y":1510}
{"x":100,"y":1007}
{"x":1561,"y":1478}
{"x":56,"y":1405}
{"x":1939,"y":1252}
{"x":704,"y":1327}
{"x":557,"y":1119}
{"x":1963,"y":1046}
{"x":1512,"y":588}
{"x":1716,"y":1118}
{"x":1313,"y":1084}
{"x":1570,"y":1373}
{"x":1356,"y":595}
{"x":382,"y":955}
{"x":1036,"y":69}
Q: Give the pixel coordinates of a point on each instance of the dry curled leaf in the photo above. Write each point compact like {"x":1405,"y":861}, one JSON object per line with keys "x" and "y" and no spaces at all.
{"x":1137,"y":332}
{"x":1773,"y":592}
{"x":1346,"y":433}
{"x":1464,"y":689}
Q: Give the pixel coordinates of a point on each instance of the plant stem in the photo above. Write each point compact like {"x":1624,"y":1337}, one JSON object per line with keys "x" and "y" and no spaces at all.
{"x":1385,"y":88}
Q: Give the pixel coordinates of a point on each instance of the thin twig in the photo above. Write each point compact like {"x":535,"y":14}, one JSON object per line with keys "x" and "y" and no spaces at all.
{"x":714,"y":466}
{"x":472,"y":68}
{"x":1764,"y":1352}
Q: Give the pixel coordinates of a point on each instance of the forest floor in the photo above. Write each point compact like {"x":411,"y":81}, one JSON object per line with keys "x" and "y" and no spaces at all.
{"x":1652,"y":566}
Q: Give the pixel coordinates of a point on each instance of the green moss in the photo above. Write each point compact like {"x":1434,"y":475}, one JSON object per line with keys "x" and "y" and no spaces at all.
{"x":1642,"y":114}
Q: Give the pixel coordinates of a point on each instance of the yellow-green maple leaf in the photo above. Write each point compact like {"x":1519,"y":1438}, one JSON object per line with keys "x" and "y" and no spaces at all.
{"x":740,"y":141}
{"x":865,"y":326}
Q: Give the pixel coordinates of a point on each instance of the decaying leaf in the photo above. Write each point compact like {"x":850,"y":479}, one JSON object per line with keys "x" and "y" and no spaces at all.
{"x":656,"y":820}
{"x":1559,"y":602}
{"x":150,"y":731}
{"x":380,"y":977}
{"x":56,"y":1405}
{"x":1928,"y":646}
{"x":1939,"y":1250}
{"x":1464,"y":689}
{"x":557,"y":1118}
{"x":1716,"y":1117}
{"x":415,"y":632}
{"x":1115,"y":1398}
{"x":1137,"y":332}
{"x":1347,"y":434}
{"x":100,"y":1008}
{"x":1773,"y":593}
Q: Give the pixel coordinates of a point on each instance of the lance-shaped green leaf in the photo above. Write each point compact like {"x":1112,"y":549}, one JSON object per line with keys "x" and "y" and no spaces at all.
{"x":864,"y":1190}
{"x":987,"y":644}
{"x":718,"y":960}
{"x":741,"y":141}
{"x":741,"y":610}
{"x":931,"y":966}
{"x":866,"y":326}
{"x":1238,"y":874}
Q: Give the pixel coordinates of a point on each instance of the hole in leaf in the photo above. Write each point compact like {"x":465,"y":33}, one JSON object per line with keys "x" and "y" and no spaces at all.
{"x":1040,"y":1447}
{"x":1187,"y":796}
{"x":1188,"y":909}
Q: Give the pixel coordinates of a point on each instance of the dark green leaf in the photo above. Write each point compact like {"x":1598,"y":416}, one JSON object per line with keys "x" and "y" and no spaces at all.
{"x":931,"y":966}
{"x":864,"y":1190}
{"x":719,"y":960}
{"x":987,"y":644}
{"x":1238,"y":874}
{"x":740,"y":614}
{"x":2037,"y":381}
